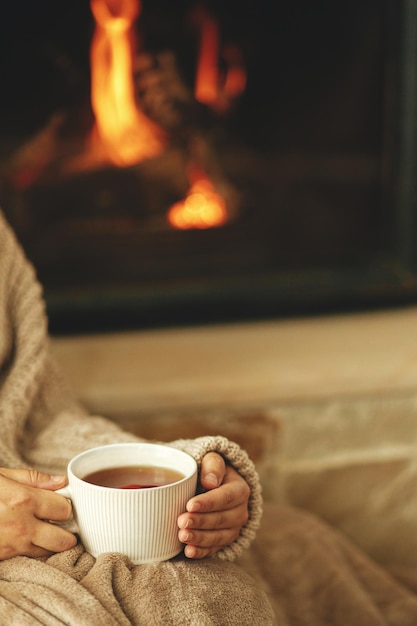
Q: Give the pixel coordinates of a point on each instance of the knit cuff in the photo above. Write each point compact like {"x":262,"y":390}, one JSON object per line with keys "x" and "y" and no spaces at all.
{"x":239,"y":459}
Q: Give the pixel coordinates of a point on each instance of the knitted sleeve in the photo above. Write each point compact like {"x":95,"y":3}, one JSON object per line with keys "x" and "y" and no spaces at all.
{"x":41,"y":423}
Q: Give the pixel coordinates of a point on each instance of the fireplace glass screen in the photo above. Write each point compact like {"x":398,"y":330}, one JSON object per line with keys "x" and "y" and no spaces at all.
{"x":177,"y":162}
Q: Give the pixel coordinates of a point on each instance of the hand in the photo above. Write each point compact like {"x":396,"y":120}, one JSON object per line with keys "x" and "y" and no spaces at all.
{"x":214,"y":519}
{"x":26,"y":502}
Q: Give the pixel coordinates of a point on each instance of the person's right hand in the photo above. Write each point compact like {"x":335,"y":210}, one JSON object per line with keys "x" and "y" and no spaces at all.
{"x":27,"y":502}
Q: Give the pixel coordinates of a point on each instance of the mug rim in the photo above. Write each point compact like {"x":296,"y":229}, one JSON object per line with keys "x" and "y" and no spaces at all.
{"x":90,"y":451}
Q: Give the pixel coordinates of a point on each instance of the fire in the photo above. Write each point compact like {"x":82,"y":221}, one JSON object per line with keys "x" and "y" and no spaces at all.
{"x":125,"y":133}
{"x":212,"y":87}
{"x":202,"y":208}
{"x":207,"y":79}
{"x":235,"y":80}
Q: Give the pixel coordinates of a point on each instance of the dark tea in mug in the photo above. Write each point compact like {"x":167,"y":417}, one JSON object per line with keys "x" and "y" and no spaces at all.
{"x":134,"y":477}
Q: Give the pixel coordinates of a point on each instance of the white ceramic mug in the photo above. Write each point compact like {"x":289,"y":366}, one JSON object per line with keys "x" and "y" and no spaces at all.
{"x":140,"y":523}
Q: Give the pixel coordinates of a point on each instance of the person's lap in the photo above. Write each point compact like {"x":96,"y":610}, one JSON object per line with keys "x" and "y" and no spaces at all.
{"x":75,"y":589}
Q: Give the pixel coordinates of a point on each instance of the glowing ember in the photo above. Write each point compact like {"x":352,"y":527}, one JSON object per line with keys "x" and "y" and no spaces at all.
{"x":202,"y":208}
{"x":125,"y":133}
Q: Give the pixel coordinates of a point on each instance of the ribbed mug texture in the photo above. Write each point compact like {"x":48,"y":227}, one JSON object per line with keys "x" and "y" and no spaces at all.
{"x":140,"y":523}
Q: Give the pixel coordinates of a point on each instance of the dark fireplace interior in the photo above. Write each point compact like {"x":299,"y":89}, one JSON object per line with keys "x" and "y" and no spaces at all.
{"x":188,"y":162}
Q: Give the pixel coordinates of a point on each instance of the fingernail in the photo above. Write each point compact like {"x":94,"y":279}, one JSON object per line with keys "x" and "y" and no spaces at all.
{"x":190,"y":552}
{"x":185,"y":523}
{"x":57,"y":479}
{"x":193,"y":507}
{"x":185,"y":536}
{"x":212,"y":479}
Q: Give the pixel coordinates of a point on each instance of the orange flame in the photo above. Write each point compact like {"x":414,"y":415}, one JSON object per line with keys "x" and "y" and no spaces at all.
{"x":207,"y":79}
{"x":127,"y":135}
{"x":202,"y":208}
{"x":236,"y":78}
{"x":212,"y":87}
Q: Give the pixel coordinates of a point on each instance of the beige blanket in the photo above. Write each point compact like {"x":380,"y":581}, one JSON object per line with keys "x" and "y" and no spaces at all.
{"x":311,"y":574}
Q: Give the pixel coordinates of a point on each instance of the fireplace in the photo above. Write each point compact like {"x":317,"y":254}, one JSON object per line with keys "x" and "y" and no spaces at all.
{"x":266,"y":168}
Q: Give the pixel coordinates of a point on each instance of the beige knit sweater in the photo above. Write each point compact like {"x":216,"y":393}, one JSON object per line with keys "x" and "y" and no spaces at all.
{"x":43,"y":426}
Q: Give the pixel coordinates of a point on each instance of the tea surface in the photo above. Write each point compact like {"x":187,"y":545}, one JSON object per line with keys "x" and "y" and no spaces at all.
{"x":134,"y":477}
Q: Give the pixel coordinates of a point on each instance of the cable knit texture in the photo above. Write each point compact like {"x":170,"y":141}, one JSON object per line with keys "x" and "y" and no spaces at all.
{"x":43,"y":426}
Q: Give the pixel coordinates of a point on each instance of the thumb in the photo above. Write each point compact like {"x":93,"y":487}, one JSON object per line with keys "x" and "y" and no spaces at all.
{"x":213,"y":469}
{"x":34,"y":478}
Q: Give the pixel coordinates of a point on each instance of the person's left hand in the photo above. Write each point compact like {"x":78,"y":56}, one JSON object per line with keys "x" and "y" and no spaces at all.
{"x":214,"y":519}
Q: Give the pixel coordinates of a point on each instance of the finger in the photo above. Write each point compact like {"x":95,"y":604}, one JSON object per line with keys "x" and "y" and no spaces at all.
{"x":40,"y":503}
{"x":229,"y":518}
{"x":35,"y":538}
{"x":208,"y":542}
{"x":227,"y":496}
{"x":35,"y":552}
{"x":213,"y":469}
{"x":43,"y":504}
{"x":194,"y":552}
{"x":197,"y":552}
{"x":34,"y":478}
{"x":52,"y":538}
{"x":52,"y":506}
{"x":26,"y":550}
